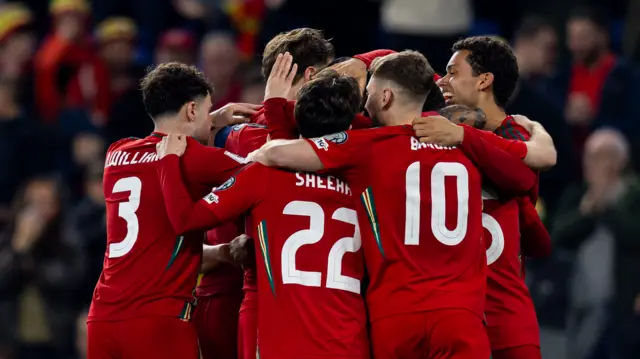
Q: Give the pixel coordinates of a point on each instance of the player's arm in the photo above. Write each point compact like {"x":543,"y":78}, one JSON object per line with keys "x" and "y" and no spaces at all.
{"x":214,"y":255}
{"x":535,"y":240}
{"x":208,"y":166}
{"x":316,"y":154}
{"x":232,"y":199}
{"x":504,"y":169}
{"x":541,"y":152}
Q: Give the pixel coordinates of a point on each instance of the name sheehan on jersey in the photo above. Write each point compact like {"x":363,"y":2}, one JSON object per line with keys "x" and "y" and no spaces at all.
{"x":322,"y":182}
{"x":122,"y":158}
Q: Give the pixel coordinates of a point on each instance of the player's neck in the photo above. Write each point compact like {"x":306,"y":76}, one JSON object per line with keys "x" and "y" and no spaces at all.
{"x":403,"y":117}
{"x":495,"y":115}
{"x":168,"y":124}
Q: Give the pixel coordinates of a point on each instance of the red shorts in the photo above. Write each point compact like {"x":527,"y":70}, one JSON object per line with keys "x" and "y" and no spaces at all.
{"x":248,"y":327}
{"x":216,"y":320}
{"x":522,"y":352}
{"x":151,"y":337}
{"x":438,"y":334}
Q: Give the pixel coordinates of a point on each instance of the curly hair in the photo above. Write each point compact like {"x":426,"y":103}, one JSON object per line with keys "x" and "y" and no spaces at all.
{"x":167,"y":87}
{"x":491,"y":55}
{"x":327,"y":104}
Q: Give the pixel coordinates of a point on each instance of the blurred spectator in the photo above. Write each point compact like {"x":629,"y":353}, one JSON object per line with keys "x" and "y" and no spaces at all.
{"x":86,"y":228}
{"x":599,"y":221}
{"x":253,"y":88}
{"x":430,"y":27}
{"x":176,"y":45}
{"x":69,"y":74}
{"x":81,"y":335}
{"x":535,"y":47}
{"x":39,"y":274}
{"x":116,"y":39}
{"x":17,"y":46}
{"x":220,"y":61}
{"x":87,"y":149}
{"x":21,"y":150}
{"x":597,"y":84}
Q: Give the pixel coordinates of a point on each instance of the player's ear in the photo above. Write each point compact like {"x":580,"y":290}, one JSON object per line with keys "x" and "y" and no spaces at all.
{"x":387,"y":98}
{"x":309,"y":73}
{"x":190,"y":110}
{"x":486,"y":80}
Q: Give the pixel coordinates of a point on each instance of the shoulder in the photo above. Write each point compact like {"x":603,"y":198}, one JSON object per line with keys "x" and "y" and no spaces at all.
{"x":510,"y":129}
{"x":122,"y":143}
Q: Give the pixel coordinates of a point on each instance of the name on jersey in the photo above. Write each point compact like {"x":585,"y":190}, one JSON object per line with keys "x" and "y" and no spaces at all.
{"x":417,"y":145}
{"x":121,"y":158}
{"x":311,"y":180}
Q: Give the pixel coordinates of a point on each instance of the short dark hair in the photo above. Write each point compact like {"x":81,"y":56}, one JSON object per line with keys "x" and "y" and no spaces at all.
{"x":531,"y":26}
{"x":435,"y":100}
{"x":327,"y":104}
{"x":308,"y":47}
{"x":408,"y":69}
{"x":489,"y":54}
{"x":167,"y":87}
{"x":463,"y":114}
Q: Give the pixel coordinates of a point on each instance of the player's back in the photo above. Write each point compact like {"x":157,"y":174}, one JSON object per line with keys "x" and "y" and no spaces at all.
{"x":425,"y":251}
{"x":510,"y":313}
{"x":311,"y":266}
{"x":148,"y":269}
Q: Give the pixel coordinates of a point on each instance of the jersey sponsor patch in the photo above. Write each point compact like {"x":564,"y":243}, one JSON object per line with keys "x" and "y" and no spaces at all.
{"x":321,"y":143}
{"x":240,"y":159}
{"x":211,"y":198}
{"x":226,"y":185}
{"x":337,"y":138}
{"x":243,"y":125}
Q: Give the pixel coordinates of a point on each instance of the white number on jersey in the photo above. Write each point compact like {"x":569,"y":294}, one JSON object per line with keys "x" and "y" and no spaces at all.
{"x":497,"y":238}
{"x":127,"y":211}
{"x":292,"y":275}
{"x":438,"y":203}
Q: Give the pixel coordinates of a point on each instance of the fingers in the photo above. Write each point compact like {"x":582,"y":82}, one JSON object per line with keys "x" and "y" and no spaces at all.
{"x":292,"y":74}
{"x":236,"y":120}
{"x":277,"y":65}
{"x":243,"y":109}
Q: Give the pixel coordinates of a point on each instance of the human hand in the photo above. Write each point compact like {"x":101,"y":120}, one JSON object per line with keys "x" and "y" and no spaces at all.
{"x":171,"y":144}
{"x":438,"y":130}
{"x":30,"y":224}
{"x":281,"y":77}
{"x":241,"y":251}
{"x":232,"y":114}
{"x":578,"y":110}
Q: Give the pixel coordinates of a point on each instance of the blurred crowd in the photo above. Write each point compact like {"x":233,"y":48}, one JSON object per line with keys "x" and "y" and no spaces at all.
{"x":69,"y":72}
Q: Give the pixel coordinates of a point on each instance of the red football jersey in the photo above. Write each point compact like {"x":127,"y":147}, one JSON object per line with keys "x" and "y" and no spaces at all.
{"x":242,"y":140}
{"x":511,"y":317}
{"x":308,"y":256}
{"x":420,"y":217}
{"x":149,"y":267}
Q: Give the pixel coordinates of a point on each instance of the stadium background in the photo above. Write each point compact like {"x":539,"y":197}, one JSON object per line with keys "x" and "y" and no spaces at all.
{"x":68,"y":88}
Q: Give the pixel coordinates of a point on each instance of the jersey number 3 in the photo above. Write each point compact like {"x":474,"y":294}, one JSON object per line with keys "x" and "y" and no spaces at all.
{"x":127,"y":211}
{"x":292,"y":275}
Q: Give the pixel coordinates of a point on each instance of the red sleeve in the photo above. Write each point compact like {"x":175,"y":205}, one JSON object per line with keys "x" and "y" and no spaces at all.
{"x":535,"y":240}
{"x":208,"y":166}
{"x":247,"y":139}
{"x":341,"y":151}
{"x":361,"y":122}
{"x":230,"y":200}
{"x":47,"y":60}
{"x":368,"y":57}
{"x":279,"y":117}
{"x":516,"y":148}
{"x":505,"y":170}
